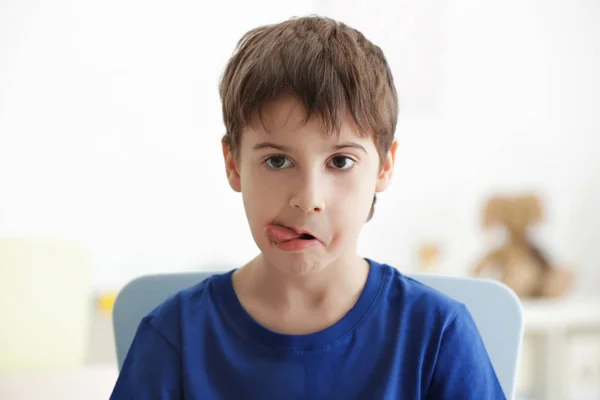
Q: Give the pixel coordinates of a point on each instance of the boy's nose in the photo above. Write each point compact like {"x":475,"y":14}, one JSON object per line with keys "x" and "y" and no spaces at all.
{"x":308,"y":197}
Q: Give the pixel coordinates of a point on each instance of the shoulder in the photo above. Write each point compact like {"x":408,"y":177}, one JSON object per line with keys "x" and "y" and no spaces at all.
{"x":153,"y":364}
{"x":410,"y":298}
{"x":169,"y":317}
{"x":442,"y":336}
{"x":417,"y":313}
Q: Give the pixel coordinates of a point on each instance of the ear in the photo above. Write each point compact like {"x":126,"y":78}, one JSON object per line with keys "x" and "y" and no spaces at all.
{"x":495,"y":211}
{"x":231,"y":168}
{"x":385,"y":175}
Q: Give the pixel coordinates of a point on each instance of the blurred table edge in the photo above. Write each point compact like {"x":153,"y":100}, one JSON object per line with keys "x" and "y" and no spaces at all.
{"x":550,"y":323}
{"x":90,"y":382}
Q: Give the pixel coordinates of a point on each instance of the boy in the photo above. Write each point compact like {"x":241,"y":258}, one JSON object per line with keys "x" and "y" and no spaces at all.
{"x":310,"y":111}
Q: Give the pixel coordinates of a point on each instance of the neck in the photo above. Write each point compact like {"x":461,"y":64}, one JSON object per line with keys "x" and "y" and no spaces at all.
{"x":334,"y":285}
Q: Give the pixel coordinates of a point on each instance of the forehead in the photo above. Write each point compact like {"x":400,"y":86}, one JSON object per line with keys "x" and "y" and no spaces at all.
{"x":287,"y":119}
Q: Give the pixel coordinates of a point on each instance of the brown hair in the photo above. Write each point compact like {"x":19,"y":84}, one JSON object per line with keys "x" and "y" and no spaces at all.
{"x":330,"y":67}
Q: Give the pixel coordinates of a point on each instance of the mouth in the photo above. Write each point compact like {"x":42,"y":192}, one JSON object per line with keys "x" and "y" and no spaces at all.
{"x":306,"y":236}
{"x":291,"y":237}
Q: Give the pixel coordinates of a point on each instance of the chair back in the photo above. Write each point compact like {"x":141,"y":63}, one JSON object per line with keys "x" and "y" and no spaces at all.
{"x":495,"y":308}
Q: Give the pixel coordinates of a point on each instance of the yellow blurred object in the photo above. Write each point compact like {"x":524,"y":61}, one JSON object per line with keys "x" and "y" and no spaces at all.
{"x":106,"y":301}
{"x":429,"y":254}
{"x":45,"y":304}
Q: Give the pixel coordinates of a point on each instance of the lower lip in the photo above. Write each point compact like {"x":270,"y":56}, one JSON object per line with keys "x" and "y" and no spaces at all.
{"x":298,"y":244}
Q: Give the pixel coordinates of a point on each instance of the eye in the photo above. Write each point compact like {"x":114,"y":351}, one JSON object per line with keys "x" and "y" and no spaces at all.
{"x":341,"y":162}
{"x":278,"y":162}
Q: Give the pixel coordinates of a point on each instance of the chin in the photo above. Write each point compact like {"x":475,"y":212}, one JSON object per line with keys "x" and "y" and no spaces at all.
{"x":294,"y":263}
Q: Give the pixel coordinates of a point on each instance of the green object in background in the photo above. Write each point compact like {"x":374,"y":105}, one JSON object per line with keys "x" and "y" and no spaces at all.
{"x":45,"y":307}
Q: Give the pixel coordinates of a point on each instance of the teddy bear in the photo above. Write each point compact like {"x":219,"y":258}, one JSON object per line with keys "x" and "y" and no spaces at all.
{"x":518,"y":262}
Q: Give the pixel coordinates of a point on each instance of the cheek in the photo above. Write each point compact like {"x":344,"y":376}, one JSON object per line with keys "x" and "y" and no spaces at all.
{"x":353,"y":199}
{"x":260,"y":193}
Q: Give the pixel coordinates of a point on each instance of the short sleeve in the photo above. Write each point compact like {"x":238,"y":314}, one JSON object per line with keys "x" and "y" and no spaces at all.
{"x":151,"y":370}
{"x":463,"y":368}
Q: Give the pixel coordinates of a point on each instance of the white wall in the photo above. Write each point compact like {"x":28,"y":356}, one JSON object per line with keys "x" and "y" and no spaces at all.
{"x":515,"y":108}
{"x":110,"y":129}
{"x":110,"y":126}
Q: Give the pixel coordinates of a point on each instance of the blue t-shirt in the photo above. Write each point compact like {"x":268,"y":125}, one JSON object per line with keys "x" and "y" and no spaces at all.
{"x":401,"y":340}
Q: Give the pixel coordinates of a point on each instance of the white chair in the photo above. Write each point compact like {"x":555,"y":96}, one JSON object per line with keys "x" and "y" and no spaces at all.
{"x":495,"y":308}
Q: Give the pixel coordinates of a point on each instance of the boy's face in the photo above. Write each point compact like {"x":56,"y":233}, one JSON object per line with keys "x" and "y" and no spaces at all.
{"x":298,"y":182}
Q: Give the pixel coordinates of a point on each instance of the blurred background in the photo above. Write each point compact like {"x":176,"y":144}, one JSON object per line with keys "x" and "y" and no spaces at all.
{"x":111,"y":167}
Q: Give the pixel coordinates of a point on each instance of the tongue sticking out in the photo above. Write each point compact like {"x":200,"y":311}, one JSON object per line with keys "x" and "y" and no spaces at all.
{"x":278,"y":234}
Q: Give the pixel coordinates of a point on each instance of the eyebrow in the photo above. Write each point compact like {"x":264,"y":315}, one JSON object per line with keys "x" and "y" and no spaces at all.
{"x":349,"y":145}
{"x":269,"y":145}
